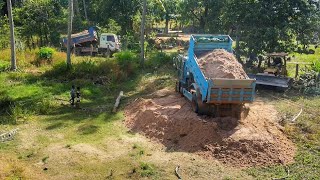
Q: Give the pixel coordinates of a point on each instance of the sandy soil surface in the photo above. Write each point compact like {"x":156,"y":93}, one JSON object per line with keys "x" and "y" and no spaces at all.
{"x":254,"y":140}
{"x":221,"y":64}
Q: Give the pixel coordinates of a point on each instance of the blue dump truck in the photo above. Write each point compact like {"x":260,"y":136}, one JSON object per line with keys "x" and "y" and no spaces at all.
{"x":217,"y":97}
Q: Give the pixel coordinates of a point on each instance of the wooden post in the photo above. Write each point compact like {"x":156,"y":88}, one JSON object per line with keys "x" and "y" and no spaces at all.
{"x":297,"y":71}
{"x":117,"y":102}
{"x":285,"y":66}
{"x":12,"y":39}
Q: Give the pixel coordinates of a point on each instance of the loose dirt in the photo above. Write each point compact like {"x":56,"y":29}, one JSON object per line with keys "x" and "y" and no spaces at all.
{"x":221,"y":64}
{"x":254,"y":140}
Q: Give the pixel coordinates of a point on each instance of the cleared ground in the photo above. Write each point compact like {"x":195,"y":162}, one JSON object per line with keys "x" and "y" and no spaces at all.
{"x":60,"y":142}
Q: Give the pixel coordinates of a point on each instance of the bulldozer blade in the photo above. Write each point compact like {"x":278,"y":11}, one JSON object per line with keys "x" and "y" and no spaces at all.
{"x":272,"y":81}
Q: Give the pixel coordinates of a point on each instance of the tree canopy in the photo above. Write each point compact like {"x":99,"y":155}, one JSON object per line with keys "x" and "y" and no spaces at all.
{"x":258,"y":25}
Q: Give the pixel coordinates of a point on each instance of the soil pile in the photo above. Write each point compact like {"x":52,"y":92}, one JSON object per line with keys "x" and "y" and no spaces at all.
{"x":221,"y":64}
{"x":252,"y":141}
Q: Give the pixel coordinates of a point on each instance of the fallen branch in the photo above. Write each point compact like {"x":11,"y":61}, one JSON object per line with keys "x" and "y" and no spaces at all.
{"x":117,"y":102}
{"x":8,"y":135}
{"x":297,"y":116}
{"x":177,"y":173}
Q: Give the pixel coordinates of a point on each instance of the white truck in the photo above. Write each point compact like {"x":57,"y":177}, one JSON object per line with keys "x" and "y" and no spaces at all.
{"x":89,"y":43}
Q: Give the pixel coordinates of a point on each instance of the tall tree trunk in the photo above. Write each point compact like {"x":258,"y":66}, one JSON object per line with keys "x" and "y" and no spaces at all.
{"x":166,"y":30}
{"x":76,"y":7}
{"x":69,"y":34}
{"x":202,"y":24}
{"x":238,"y":43}
{"x":143,"y":21}
{"x":85,"y":10}
{"x":12,"y":39}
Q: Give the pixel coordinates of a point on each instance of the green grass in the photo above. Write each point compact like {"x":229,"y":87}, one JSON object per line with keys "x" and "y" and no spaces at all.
{"x":303,"y":58}
{"x":41,"y":109}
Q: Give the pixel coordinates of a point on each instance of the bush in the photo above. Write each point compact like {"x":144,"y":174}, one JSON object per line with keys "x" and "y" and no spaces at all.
{"x":87,"y":69}
{"x":128,"y":62}
{"x":157,"y":59}
{"x":316,"y":66}
{"x":147,"y":170}
{"x":4,"y":66}
{"x":45,"y":55}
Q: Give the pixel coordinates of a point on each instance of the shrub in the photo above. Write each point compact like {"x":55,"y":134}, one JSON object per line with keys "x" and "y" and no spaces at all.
{"x":4,"y":66}
{"x":128,"y":62}
{"x":147,"y":170}
{"x":45,"y":55}
{"x":87,"y":69}
{"x":316,"y":66}
{"x":157,"y":59}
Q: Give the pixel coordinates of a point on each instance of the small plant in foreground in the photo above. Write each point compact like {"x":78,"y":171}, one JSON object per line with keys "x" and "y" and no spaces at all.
{"x":147,"y":170}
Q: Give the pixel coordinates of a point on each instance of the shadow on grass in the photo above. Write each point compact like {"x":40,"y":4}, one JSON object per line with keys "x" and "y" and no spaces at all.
{"x":87,"y":129}
{"x":55,"y":126}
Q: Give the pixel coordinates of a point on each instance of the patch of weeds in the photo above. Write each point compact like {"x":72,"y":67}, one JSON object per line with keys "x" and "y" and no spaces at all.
{"x":147,"y":170}
{"x":135,"y":146}
{"x":137,"y":151}
{"x":45,"y":159}
{"x":68,"y":146}
{"x":13,"y":171}
{"x":227,"y":178}
{"x":4,"y":66}
{"x":29,"y":154}
{"x":43,"y":140}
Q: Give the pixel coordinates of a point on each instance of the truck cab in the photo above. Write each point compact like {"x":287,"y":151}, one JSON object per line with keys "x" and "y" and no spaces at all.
{"x":109,"y":41}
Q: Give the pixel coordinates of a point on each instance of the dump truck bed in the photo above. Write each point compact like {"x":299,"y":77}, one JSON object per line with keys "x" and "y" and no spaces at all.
{"x":223,"y":90}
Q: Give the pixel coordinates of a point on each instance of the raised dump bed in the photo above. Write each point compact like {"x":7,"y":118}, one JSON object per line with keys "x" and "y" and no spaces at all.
{"x":207,"y":81}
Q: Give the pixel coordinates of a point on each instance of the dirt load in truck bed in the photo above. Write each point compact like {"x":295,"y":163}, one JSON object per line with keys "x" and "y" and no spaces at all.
{"x":255,"y":140}
{"x":219,"y":63}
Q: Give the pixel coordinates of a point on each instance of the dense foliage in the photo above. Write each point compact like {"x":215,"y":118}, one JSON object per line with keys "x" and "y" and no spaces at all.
{"x":257,"y":25}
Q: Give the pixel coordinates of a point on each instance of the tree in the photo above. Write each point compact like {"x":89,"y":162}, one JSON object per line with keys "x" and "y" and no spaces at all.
{"x":122,"y":11}
{"x":44,"y":19}
{"x":69,"y":34}
{"x":4,"y":32}
{"x":307,"y":23}
{"x":264,"y":26}
{"x":12,"y":39}
{"x":169,"y":11}
{"x":143,"y":21}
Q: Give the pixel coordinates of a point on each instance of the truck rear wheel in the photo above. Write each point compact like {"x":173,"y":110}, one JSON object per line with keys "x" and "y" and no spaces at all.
{"x":200,"y":107}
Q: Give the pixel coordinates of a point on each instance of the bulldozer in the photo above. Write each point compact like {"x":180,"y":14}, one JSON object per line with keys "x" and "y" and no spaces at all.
{"x":274,"y":73}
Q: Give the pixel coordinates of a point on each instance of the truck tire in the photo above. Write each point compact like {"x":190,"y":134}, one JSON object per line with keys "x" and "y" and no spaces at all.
{"x":200,"y":107}
{"x":195,"y":105}
{"x":177,"y":87}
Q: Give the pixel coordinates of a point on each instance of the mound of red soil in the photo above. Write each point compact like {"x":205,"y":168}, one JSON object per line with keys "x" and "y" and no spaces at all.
{"x":221,"y":64}
{"x":252,"y":141}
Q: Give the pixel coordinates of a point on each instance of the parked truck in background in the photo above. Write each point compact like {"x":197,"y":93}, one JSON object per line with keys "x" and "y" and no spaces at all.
{"x":90,"y":42}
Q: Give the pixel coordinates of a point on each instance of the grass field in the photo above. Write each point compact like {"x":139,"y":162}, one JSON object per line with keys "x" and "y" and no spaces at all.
{"x":56,"y":141}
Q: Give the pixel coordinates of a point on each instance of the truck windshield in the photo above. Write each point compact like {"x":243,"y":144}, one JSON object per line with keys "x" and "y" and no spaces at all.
{"x":111,"y":38}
